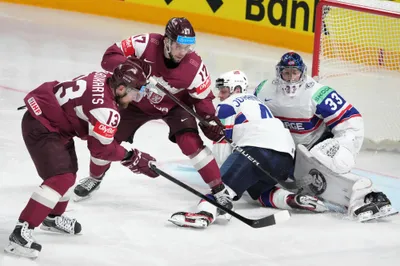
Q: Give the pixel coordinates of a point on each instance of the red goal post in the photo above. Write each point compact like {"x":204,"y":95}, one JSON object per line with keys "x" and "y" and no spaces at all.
{"x":357,"y":52}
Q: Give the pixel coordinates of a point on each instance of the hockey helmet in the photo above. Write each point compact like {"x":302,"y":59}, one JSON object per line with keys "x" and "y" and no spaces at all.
{"x":130,"y":75}
{"x":180,"y":36}
{"x":291,"y":73}
{"x":181,"y":31}
{"x":233,"y":79}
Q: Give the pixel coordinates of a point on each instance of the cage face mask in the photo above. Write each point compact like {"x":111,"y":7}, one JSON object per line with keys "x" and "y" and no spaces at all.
{"x":290,"y":73}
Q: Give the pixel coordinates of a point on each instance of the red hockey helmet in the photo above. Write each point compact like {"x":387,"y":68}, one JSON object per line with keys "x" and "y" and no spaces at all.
{"x":129,"y":74}
{"x":132,"y":76}
{"x":181,"y":31}
{"x":180,"y":39}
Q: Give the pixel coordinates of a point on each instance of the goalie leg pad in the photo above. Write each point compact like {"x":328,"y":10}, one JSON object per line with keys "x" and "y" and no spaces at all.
{"x":318,"y":180}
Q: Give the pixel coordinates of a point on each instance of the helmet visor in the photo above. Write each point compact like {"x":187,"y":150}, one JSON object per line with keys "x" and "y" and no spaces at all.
{"x":135,"y":94}
{"x":182,"y":48}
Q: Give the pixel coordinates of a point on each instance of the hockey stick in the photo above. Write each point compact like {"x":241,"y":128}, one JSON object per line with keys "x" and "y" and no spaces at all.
{"x":269,"y":220}
{"x":286,"y":185}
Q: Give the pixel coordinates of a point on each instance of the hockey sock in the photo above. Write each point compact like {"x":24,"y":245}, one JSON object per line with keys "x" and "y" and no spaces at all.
{"x":275,"y":198}
{"x":200,"y":156}
{"x":46,"y":197}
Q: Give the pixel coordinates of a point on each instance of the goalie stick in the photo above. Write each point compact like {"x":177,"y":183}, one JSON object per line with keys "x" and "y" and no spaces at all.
{"x":287,"y":185}
{"x":269,"y":220}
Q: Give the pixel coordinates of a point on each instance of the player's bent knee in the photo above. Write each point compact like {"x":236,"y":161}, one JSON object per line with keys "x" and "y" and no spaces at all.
{"x":46,"y":196}
{"x":189,"y":142}
{"x":201,"y":158}
{"x":192,"y":146}
{"x":60,"y":183}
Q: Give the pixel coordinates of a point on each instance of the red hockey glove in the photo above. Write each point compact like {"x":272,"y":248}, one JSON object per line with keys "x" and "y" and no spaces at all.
{"x":139,"y":162}
{"x":215,"y":131}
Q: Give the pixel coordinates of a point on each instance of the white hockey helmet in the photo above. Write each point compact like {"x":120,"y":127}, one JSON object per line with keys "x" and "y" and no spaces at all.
{"x":232,"y":80}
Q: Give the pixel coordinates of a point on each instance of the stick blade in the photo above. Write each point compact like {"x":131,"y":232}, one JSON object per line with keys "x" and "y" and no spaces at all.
{"x":276,"y":218}
{"x":269,"y":220}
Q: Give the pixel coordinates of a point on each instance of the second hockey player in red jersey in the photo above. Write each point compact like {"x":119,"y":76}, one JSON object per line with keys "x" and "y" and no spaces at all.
{"x":171,"y":60}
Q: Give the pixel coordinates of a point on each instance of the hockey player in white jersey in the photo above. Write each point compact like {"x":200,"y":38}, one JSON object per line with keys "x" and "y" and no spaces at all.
{"x":251,"y":125}
{"x":332,"y":132}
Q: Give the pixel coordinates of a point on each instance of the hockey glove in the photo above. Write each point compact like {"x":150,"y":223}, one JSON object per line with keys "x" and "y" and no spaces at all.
{"x":139,"y":163}
{"x":215,"y":131}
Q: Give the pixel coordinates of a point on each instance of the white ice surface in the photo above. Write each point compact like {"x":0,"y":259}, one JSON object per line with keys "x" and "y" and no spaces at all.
{"x":126,"y":221}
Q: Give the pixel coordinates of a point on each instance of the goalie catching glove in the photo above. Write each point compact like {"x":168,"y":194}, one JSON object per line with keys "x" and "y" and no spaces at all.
{"x":139,"y":162}
{"x":215,"y":130}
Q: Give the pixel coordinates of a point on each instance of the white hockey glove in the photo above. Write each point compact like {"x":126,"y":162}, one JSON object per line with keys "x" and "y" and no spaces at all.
{"x":336,"y":157}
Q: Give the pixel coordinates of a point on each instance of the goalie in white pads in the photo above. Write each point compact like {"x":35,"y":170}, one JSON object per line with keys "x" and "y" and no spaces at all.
{"x":251,"y":125}
{"x":332,"y":131}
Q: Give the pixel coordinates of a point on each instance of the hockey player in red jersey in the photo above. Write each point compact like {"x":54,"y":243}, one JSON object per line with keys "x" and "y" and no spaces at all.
{"x":85,"y":107}
{"x":171,"y":60}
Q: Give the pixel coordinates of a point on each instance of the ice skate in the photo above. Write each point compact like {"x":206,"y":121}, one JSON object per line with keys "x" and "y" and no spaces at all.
{"x":86,"y":188}
{"x":22,"y":242}
{"x":61,"y":224}
{"x":305,"y":202}
{"x":196,"y":220}
{"x":376,"y":206}
{"x":223,"y":195}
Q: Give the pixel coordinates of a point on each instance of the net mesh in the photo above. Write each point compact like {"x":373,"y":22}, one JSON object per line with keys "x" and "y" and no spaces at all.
{"x":359,"y":56}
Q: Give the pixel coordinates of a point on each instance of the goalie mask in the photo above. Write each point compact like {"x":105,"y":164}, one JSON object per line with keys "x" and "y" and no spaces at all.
{"x":291,"y":73}
{"x":231,"y":82}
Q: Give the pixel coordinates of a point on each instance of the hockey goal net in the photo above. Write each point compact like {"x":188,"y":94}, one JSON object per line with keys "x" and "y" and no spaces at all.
{"x":357,"y":52}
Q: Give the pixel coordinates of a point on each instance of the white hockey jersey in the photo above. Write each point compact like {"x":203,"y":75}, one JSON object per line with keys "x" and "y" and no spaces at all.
{"x":315,"y":109}
{"x":249,"y":122}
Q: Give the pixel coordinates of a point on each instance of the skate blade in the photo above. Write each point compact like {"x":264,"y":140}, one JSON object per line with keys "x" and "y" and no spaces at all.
{"x":225,"y":216}
{"x":312,"y":206}
{"x":54,"y":230}
{"x":17,"y":250}
{"x":379,"y":215}
{"x":320,"y":207}
{"x":180,"y":220}
{"x":77,"y":198}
